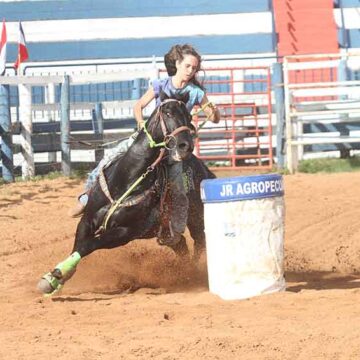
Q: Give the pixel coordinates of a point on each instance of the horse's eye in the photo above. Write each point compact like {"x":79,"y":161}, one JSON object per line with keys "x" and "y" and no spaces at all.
{"x":168,"y":113}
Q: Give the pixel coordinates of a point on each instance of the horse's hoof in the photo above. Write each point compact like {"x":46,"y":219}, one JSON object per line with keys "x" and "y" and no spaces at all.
{"x":168,"y":240}
{"x":45,"y":287}
{"x":49,"y":284}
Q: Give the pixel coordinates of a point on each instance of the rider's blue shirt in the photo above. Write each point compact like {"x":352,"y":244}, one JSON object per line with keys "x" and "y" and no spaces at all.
{"x":195,"y":93}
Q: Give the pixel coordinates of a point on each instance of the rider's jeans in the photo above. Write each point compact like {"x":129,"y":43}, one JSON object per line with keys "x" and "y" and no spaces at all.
{"x":179,"y":199}
{"x":119,"y":150}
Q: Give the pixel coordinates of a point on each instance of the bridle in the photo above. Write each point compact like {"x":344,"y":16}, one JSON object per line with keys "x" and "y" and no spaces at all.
{"x":168,"y":137}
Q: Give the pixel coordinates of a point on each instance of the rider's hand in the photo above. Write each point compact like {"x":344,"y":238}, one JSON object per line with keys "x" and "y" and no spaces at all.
{"x":141,"y":124}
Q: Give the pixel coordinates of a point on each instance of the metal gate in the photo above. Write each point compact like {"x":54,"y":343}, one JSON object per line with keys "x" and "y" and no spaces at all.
{"x":243,"y":138}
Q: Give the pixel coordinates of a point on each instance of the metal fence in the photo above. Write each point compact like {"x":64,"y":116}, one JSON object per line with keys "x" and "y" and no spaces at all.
{"x":100,"y":109}
{"x":323,"y":111}
{"x":315,"y":98}
{"x":244,"y":135}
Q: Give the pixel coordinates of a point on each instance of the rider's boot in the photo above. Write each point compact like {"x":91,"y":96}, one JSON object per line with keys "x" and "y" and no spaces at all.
{"x":167,"y":236}
{"x":79,"y":208}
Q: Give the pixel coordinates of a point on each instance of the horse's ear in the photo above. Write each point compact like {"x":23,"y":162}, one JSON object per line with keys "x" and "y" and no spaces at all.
{"x":163,"y":96}
{"x":183,"y":97}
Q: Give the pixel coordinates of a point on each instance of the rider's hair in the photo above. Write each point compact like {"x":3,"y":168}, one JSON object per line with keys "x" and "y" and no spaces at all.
{"x":177,"y":53}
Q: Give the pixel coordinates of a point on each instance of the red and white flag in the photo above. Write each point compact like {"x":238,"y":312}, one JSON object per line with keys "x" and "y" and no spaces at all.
{"x":3,"y":43}
{"x":23,"y":54}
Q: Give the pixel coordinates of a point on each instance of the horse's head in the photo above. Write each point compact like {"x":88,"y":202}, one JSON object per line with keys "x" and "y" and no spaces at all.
{"x":171,"y":124}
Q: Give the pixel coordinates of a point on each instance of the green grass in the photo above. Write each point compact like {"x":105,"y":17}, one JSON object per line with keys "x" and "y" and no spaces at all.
{"x":329,"y":165}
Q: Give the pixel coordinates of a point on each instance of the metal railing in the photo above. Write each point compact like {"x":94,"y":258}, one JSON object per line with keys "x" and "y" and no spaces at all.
{"x":321,"y":114}
{"x":243,"y":138}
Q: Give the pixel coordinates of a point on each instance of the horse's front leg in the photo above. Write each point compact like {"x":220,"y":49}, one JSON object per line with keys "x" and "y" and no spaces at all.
{"x":85,"y":244}
{"x":109,"y":239}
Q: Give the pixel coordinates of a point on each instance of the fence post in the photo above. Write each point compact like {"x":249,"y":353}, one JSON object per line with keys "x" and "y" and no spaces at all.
{"x":278,"y":85}
{"x":27,"y":166}
{"x":155,"y":68}
{"x":65,"y":126}
{"x":50,"y":99}
{"x":98,"y":129}
{"x":6,"y":152}
{"x":291,"y":160}
{"x":344,"y":131}
{"x":136,"y":90}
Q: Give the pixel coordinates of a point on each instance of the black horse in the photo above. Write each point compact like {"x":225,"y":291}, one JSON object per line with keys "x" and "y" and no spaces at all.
{"x":128,"y":199}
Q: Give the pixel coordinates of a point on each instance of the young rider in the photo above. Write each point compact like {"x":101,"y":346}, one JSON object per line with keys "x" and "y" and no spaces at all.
{"x":182,"y":63}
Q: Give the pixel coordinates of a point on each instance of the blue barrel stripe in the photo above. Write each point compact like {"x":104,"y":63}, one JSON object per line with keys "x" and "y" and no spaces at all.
{"x":242,"y":188}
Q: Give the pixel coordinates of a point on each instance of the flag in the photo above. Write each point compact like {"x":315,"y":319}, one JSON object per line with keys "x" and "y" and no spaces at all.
{"x":3,"y":42}
{"x":23,"y":54}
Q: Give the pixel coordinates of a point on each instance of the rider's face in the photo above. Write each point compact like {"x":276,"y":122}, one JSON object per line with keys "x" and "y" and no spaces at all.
{"x":187,"y":68}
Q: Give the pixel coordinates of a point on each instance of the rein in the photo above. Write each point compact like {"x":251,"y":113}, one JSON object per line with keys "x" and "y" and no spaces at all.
{"x":164,"y":145}
{"x":202,"y":108}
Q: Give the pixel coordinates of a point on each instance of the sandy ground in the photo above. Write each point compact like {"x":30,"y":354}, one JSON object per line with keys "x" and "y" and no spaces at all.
{"x":141,"y":302}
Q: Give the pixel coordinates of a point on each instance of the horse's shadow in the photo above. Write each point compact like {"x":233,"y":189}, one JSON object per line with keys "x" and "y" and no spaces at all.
{"x":321,"y":280}
{"x":77,"y":298}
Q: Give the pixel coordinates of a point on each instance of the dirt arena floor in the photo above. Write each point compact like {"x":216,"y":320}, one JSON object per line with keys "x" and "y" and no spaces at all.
{"x":140,"y":302}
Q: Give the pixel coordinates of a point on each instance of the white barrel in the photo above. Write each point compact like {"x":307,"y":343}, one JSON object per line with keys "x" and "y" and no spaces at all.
{"x":244,"y":227}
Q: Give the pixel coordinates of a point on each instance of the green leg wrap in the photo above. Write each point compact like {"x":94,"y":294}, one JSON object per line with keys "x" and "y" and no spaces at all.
{"x":53,"y":281}
{"x":68,"y":264}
